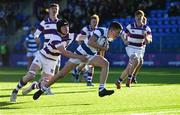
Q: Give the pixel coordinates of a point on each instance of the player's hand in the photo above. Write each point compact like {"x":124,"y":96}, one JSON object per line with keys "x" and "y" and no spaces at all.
{"x":83,"y":58}
{"x":147,"y":38}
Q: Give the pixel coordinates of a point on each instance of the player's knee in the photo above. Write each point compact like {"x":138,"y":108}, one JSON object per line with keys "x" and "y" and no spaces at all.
{"x":106,"y":63}
{"x":30,"y":75}
{"x":134,"y":59}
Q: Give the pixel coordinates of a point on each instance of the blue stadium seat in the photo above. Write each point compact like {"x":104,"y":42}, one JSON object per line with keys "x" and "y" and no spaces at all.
{"x":166,"y":21}
{"x":166,"y":29}
{"x":173,"y":21}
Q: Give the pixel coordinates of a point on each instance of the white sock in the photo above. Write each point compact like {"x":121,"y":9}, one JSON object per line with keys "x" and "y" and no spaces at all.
{"x":101,"y":87}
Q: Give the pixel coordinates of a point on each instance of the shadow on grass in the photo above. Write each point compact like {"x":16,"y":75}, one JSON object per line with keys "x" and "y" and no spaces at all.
{"x":4,"y":104}
{"x":82,"y":104}
{"x":64,"y":92}
{"x":82,"y":91}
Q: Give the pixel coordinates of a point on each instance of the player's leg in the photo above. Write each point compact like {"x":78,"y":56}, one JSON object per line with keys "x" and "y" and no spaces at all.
{"x":58,"y":65}
{"x":57,"y":68}
{"x":84,"y":73}
{"x":24,"y":80}
{"x":30,"y":57}
{"x":90,"y":73}
{"x":61,"y":74}
{"x":133,"y":63}
{"x":45,"y":78}
{"x":123,"y":76}
{"x":134,"y":78}
{"x":101,"y":62}
{"x":76,"y":71}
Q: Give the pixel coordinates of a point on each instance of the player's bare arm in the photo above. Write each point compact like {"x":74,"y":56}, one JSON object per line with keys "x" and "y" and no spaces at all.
{"x":148,"y":38}
{"x":92,"y":42}
{"x":80,"y":37}
{"x":69,"y":54}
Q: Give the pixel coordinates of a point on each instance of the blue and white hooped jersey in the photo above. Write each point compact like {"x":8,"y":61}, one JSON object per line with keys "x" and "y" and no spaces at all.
{"x":48,"y":28}
{"x":135,"y":35}
{"x":84,"y":48}
{"x":50,"y":50}
{"x":86,"y":30}
{"x":31,"y":44}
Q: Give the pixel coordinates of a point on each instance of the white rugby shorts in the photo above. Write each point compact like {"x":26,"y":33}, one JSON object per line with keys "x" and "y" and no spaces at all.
{"x":139,"y":52}
{"x":47,"y":65}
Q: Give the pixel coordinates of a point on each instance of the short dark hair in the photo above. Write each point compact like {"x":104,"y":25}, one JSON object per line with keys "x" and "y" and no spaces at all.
{"x":115,"y":25}
{"x":60,"y":23}
{"x":54,"y":5}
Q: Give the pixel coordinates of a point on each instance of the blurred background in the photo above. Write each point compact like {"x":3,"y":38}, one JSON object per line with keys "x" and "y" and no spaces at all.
{"x":18,"y":16}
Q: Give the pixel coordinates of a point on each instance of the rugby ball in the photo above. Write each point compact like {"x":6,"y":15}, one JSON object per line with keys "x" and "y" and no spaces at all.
{"x":101,"y":41}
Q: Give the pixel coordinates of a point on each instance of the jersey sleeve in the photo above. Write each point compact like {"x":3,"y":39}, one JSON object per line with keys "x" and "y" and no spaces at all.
{"x":39,"y":29}
{"x":148,"y":29}
{"x":126,"y":31}
{"x":83,"y":31}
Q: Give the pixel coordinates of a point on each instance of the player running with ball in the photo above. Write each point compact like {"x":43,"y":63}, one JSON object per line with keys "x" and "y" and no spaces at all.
{"x":90,"y":48}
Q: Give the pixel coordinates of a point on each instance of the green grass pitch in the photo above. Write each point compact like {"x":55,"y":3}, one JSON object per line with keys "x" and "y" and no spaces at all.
{"x":157,"y":93}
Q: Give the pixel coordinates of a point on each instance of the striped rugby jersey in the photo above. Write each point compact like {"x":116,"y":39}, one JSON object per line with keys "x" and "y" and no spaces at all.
{"x":99,"y":33}
{"x":48,"y":28}
{"x":31,"y":44}
{"x":135,"y":35}
{"x":50,"y":50}
{"x":86,"y":30}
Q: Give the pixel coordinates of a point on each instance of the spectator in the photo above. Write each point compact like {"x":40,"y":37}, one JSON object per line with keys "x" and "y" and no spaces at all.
{"x":4,"y":53}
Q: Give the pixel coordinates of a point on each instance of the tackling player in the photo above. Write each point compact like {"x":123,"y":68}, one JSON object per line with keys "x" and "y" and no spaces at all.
{"x":46,"y":59}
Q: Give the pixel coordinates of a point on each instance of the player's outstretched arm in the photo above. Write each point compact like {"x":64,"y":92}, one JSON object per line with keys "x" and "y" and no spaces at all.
{"x":69,"y":54}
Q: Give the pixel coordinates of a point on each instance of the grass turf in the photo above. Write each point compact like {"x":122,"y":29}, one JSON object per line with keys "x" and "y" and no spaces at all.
{"x":157,"y":92}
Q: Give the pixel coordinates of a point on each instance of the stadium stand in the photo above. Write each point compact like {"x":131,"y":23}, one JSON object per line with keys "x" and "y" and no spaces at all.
{"x":16,"y":17}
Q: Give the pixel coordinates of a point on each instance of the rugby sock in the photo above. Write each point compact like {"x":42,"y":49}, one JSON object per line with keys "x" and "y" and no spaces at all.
{"x":89,"y":78}
{"x":119,"y":80}
{"x":85,"y":75}
{"x":20,"y":84}
{"x":77,"y":70}
{"x":35,"y":86}
{"x":41,"y":87}
{"x":101,"y":87}
{"x":134,"y":76}
{"x":129,"y":77}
